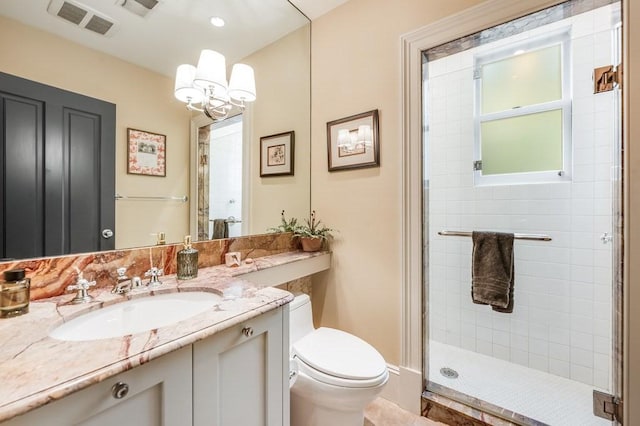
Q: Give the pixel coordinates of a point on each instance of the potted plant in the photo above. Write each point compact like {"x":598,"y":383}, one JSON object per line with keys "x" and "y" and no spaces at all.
{"x":313,"y":233}
{"x":285,"y":225}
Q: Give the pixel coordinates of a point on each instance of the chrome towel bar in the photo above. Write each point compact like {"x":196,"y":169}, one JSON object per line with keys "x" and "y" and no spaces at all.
{"x":183,"y":199}
{"x":531,"y":237}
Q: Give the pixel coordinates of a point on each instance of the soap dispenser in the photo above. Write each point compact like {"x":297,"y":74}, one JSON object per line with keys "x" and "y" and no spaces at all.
{"x":187,"y":261}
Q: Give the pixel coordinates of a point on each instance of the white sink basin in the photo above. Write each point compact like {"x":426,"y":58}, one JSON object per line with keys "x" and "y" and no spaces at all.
{"x":135,"y":316}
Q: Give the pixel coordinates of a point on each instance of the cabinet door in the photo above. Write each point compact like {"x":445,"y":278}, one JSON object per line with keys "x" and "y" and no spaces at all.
{"x":241,"y":375}
{"x":159,"y":394}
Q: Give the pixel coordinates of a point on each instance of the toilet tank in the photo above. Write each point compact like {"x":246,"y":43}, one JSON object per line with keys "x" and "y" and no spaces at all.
{"x":300,"y":318}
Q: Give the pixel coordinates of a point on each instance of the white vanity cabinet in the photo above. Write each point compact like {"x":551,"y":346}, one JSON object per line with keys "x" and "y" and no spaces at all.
{"x":236,"y":377}
{"x":241,"y":375}
{"x":153,"y":394}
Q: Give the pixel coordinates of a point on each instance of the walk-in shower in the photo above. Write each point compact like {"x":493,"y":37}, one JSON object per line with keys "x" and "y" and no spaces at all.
{"x":517,"y":141}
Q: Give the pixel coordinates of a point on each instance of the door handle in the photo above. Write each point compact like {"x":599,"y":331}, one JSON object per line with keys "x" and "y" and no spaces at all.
{"x":107,"y":233}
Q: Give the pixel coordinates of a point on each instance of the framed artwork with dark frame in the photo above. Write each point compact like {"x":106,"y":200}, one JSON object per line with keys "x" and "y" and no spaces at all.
{"x":277,"y":154}
{"x":146,"y":153}
{"x":352,"y":142}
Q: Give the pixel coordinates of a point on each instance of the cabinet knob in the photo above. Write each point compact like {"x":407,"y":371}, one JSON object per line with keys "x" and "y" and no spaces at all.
{"x":120,"y":390}
{"x":247,"y":331}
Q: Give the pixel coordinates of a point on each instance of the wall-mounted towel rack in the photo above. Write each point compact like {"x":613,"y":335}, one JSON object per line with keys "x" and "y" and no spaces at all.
{"x":183,"y":199}
{"x":531,"y":237}
{"x":230,"y":220}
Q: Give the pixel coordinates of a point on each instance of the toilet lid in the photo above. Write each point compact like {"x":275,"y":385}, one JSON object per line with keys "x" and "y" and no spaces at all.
{"x":339,"y":354}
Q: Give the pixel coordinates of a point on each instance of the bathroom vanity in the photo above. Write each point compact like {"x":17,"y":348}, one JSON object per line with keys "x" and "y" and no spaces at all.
{"x":225,"y":366}
{"x":235,"y":377}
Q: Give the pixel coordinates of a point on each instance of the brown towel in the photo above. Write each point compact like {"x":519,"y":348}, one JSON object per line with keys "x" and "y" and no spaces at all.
{"x":220,"y":229}
{"x":492,"y":270}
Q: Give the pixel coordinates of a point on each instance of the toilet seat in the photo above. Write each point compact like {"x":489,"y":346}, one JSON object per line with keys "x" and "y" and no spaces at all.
{"x":337,"y":358}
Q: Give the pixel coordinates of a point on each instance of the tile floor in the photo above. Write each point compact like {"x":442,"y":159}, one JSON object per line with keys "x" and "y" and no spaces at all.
{"x":385,"y":413}
{"x":544,"y":397}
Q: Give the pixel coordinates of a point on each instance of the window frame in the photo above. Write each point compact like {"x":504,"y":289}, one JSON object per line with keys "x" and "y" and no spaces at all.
{"x":563,"y":39}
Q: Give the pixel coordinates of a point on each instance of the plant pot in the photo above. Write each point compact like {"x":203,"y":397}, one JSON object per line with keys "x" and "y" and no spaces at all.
{"x":311,"y":244}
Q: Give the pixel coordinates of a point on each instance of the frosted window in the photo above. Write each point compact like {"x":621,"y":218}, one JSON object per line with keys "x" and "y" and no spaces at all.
{"x":523,"y":112}
{"x":525,"y":79}
{"x":530,"y":143}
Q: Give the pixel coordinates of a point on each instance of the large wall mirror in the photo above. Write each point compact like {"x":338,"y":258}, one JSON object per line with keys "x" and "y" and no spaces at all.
{"x":133,"y":66}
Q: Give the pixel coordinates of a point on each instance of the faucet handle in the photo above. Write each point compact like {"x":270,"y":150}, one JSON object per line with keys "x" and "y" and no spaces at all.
{"x":121,"y":272}
{"x":82,"y":285}
{"x":154,"y":273}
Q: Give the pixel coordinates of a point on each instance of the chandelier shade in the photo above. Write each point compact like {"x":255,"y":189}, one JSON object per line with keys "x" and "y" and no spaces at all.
{"x":242,"y":85}
{"x":184,"y":89}
{"x":211,"y":71}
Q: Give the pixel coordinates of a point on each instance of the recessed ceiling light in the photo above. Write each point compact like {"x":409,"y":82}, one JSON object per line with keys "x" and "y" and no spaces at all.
{"x":217,"y":21}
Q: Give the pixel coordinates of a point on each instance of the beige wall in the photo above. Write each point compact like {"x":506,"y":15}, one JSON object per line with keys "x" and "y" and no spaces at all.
{"x":144,"y":100}
{"x":282,"y":104}
{"x":356,"y":68}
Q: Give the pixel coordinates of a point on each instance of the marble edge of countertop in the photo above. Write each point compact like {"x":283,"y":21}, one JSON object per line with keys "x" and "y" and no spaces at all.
{"x":141,"y":347}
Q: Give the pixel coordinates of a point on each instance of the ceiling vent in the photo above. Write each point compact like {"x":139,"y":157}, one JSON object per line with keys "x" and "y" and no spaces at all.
{"x":139,"y":7}
{"x":82,"y":16}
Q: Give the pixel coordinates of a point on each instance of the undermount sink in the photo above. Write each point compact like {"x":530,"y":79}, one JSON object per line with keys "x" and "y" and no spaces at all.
{"x":135,"y":316}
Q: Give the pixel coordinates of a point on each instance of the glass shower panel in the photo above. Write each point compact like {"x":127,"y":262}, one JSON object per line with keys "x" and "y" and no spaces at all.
{"x":543,"y":361}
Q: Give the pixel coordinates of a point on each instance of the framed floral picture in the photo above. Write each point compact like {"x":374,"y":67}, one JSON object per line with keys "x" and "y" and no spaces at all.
{"x":146,"y":153}
{"x":277,"y":154}
{"x":352,"y":142}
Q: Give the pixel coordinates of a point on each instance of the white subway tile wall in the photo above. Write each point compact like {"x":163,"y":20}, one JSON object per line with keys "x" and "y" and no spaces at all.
{"x":561,"y":323}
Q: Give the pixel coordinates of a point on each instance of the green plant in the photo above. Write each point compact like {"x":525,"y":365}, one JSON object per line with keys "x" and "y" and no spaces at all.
{"x":313,"y":229}
{"x":285,"y":225}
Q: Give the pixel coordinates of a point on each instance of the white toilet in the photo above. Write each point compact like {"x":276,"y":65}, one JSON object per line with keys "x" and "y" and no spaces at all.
{"x":338,"y":374}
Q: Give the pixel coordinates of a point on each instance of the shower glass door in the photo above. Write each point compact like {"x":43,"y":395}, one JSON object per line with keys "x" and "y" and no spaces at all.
{"x":517,"y":141}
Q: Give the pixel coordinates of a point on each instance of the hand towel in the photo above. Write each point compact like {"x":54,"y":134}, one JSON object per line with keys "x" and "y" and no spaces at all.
{"x":220,"y":229}
{"x":492,"y":270}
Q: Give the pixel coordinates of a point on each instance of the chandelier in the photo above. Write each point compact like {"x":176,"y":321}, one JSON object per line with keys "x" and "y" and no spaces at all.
{"x":204,"y":88}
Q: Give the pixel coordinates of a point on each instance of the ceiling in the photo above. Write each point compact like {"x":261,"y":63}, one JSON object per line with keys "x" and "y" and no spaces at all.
{"x":316,"y":8}
{"x":175,"y":31}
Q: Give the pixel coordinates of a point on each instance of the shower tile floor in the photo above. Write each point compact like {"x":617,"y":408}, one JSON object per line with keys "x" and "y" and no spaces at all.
{"x":544,"y":397}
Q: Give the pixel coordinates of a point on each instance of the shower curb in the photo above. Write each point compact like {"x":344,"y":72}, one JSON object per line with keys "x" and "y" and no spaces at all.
{"x":472,"y":412}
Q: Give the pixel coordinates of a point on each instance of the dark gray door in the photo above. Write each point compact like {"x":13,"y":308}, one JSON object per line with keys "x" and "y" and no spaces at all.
{"x":57,"y":186}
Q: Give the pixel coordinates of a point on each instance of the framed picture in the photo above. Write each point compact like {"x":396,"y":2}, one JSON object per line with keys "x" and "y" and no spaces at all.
{"x":146,"y":153}
{"x":277,"y":154}
{"x":352,"y":142}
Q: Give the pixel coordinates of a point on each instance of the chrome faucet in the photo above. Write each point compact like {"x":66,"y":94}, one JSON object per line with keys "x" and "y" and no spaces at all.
{"x":82,"y":286}
{"x":125,"y":284}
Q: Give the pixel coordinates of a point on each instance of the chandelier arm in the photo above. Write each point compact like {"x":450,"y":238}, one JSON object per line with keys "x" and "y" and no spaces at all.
{"x":191,"y":107}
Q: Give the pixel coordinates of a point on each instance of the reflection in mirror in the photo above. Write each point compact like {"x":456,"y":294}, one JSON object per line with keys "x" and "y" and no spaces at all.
{"x":282,"y":72}
{"x":38,"y":46}
{"x":220,"y":175}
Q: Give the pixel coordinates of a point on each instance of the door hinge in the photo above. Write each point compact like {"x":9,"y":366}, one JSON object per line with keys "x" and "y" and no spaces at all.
{"x":607,"y":406}
{"x":204,"y":160}
{"x":604,"y":78}
{"x":477,"y":74}
{"x":477,"y":165}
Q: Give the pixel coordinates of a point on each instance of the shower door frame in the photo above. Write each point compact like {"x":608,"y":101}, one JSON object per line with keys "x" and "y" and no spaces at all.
{"x":414,"y":354}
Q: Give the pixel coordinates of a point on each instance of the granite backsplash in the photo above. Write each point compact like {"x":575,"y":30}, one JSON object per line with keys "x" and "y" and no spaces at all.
{"x":50,"y":276}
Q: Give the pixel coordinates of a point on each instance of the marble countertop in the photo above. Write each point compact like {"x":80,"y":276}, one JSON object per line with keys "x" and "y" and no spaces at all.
{"x":36,"y":369}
